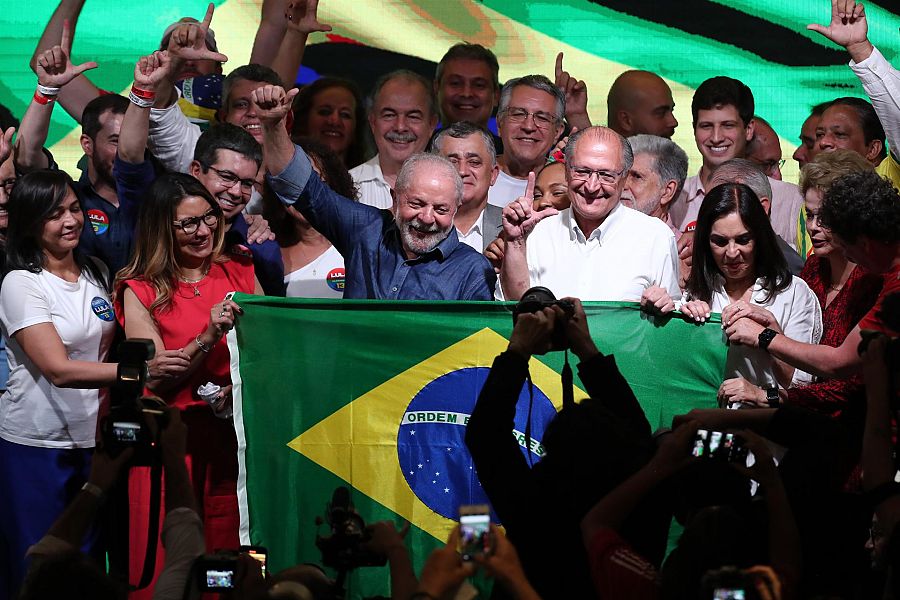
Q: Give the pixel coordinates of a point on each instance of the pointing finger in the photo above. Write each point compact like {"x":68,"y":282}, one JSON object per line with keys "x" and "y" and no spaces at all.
{"x":529,"y":187}
{"x":85,"y":67}
{"x":208,"y":18}
{"x":559,"y":67}
{"x":66,"y":39}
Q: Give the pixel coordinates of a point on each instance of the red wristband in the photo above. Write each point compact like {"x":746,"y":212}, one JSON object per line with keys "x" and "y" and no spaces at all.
{"x":42,"y":99}
{"x":144,"y":94}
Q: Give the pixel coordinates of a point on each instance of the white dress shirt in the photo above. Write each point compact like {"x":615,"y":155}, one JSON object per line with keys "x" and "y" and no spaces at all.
{"x":629,"y":252}
{"x":369,"y":180}
{"x":475,"y":236}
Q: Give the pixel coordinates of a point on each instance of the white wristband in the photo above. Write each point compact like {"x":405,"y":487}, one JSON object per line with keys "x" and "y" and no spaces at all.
{"x":48,"y":91}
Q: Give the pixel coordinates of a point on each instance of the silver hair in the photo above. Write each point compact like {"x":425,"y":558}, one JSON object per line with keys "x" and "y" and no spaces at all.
{"x":404,"y":177}
{"x":461,"y":130}
{"x":670,"y":162}
{"x":601,"y":132}
{"x":410,"y":77}
{"x":741,"y":170}
{"x":538,"y":82}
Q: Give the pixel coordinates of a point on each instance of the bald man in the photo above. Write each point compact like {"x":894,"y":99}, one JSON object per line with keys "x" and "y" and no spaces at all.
{"x":641,"y":102}
{"x":764,"y":148}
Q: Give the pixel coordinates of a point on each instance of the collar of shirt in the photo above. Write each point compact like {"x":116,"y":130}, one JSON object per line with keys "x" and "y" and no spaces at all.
{"x":477,"y":227}
{"x":600,"y":234}
{"x":698,"y":193}
{"x":371,"y":171}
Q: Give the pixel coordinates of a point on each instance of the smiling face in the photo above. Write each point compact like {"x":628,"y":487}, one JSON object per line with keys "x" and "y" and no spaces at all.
{"x":62,"y":229}
{"x":820,"y":236}
{"x":721,"y":135}
{"x":401,"y":119}
{"x":840,"y":128}
{"x":551,"y":188}
{"x":238,"y":110}
{"x":472,"y":160}
{"x":732,"y":246}
{"x":527,"y":141}
{"x":466,"y":92}
{"x":592,"y":198}
{"x":424,"y":211}
{"x":228,"y":180}
{"x":193,"y":248}
{"x":332,"y":119}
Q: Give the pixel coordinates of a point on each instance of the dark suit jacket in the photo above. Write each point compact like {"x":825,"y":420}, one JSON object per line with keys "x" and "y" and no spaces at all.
{"x":492,"y":225}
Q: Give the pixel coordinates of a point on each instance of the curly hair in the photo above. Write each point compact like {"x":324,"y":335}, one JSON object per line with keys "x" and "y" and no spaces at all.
{"x":862,"y":204}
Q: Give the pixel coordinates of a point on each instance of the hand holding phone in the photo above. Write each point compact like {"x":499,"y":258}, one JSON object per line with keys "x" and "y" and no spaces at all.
{"x":474,"y":531}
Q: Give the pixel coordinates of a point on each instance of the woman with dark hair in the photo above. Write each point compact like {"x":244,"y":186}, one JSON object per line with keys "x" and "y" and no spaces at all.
{"x":738,"y":270}
{"x":313,"y":268}
{"x":58,"y":325}
{"x":331,"y":111}
{"x":174,"y":292}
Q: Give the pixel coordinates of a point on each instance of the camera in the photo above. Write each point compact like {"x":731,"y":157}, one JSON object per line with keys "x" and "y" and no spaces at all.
{"x":728,"y":583}
{"x":719,"y":445}
{"x":538,"y":298}
{"x":344,"y":549}
{"x":215,"y":572}
{"x":128,"y":423}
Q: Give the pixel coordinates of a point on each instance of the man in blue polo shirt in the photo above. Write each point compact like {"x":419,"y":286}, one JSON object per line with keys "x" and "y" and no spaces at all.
{"x":411,"y":254}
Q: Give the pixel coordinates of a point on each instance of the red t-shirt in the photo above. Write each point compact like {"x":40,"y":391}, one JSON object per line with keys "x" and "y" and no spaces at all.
{"x":620,"y":572}
{"x":891,"y":286}
{"x":189,"y":315}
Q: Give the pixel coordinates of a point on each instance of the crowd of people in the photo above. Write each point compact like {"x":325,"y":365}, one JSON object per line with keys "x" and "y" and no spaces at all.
{"x":197,"y":185}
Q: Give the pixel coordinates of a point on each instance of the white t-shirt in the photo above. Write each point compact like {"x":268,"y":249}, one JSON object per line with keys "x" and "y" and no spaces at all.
{"x":506,"y":189}
{"x":322,"y":278}
{"x":33,"y":411}
{"x":628,"y":253}
{"x":799,"y":314}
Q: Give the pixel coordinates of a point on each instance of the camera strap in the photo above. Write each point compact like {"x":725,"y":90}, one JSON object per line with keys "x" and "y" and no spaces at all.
{"x":568,"y":391}
{"x":152,"y":527}
{"x":528,"y":418}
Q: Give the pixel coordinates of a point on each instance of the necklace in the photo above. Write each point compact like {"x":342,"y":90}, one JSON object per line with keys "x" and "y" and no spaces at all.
{"x":193,"y":282}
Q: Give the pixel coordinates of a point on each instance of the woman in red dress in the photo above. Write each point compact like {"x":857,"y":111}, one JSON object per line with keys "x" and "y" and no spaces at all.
{"x":173,"y":291}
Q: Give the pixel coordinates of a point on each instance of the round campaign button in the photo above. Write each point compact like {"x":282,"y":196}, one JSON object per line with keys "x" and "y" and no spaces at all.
{"x":99,"y":221}
{"x":102,"y":309}
{"x":335,"y":279}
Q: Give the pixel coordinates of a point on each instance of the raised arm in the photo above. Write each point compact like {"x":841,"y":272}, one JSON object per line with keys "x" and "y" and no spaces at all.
{"x":848,"y":28}
{"x":76,"y":95}
{"x":149,"y":72}
{"x":55,"y":72}
{"x":519,"y":219}
{"x":272,"y":105}
{"x":300,"y":20}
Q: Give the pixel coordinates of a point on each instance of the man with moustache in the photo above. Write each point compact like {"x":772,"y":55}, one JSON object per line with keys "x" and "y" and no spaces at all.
{"x":412,"y":253}
{"x":471,"y":150}
{"x":530,"y":120}
{"x":402,"y":115}
{"x":596,"y":249}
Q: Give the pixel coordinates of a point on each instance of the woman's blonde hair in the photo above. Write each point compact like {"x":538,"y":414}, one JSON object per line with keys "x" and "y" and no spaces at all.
{"x":155,"y":256}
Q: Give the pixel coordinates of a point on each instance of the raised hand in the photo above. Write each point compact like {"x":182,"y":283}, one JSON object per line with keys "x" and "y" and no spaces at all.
{"x":151,"y":70}
{"x":301,"y":16}
{"x":188,"y":40}
{"x":848,"y":27}
{"x":519,"y":216}
{"x":575,"y":90}
{"x":272,"y":103}
{"x":54,"y":67}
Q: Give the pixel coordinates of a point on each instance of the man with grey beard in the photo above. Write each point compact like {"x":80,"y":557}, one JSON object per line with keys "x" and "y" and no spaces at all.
{"x":402,"y":115}
{"x":410,"y":253}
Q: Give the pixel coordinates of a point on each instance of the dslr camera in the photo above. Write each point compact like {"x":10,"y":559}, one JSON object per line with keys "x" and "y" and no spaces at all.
{"x":344,"y":549}
{"x":538,"y":298}
{"x":128,"y":423}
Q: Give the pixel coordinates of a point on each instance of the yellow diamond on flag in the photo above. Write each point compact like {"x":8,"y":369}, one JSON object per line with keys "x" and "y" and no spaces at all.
{"x":358,"y":443}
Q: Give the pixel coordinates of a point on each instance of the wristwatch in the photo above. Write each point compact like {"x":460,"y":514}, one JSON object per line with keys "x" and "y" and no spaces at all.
{"x":765,"y":338}
{"x":772,"y":398}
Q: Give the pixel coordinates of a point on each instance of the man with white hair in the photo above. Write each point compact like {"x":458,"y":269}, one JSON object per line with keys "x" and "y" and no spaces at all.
{"x":656,"y":177}
{"x":412,"y":253}
{"x":596,"y":249}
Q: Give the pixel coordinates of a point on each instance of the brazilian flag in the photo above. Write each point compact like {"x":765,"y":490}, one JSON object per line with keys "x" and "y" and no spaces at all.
{"x":375,"y":396}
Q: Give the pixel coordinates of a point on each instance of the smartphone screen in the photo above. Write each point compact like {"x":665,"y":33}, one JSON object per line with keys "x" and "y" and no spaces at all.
{"x":474,"y":533}
{"x":258,"y":553}
{"x":728,"y":594}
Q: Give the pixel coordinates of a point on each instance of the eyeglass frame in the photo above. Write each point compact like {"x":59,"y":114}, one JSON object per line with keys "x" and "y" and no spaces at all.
{"x":603,"y":176}
{"x":194,"y":222}
{"x":521,"y":118}
{"x":771,"y":165}
{"x":9,"y":183}
{"x":229,"y":178}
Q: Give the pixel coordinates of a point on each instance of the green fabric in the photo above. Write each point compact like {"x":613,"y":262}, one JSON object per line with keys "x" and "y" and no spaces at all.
{"x":300,"y":366}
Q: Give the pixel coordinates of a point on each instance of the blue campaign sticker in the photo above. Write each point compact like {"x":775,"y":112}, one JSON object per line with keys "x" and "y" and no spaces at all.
{"x":103,"y":309}
{"x":431,"y":444}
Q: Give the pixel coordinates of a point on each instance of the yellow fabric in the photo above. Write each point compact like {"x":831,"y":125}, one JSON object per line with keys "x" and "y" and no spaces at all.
{"x":804,"y":243}
{"x":890,"y":169}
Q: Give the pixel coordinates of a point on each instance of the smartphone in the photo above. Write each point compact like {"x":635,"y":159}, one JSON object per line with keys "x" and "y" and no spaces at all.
{"x":474,"y":530}
{"x":216,"y":573}
{"x":259,"y":553}
{"x":720,"y":445}
{"x":729,"y":594}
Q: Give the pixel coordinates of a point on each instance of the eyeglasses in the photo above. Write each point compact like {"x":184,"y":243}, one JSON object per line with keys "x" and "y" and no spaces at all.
{"x":769,"y":166}
{"x":229,"y":179}
{"x":8,"y":184}
{"x":542,"y":120}
{"x":190,"y":225}
{"x":584,"y":174}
